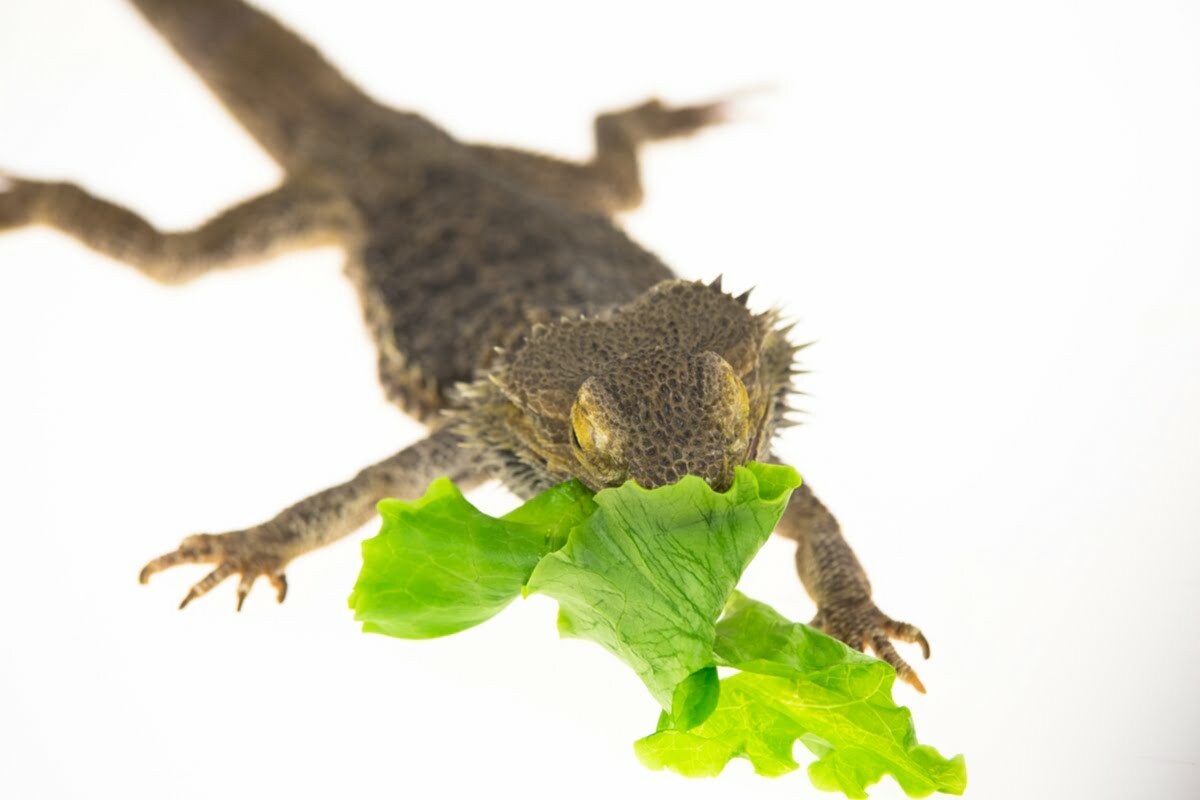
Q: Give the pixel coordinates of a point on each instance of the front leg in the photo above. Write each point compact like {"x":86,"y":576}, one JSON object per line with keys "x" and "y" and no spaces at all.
{"x":266,"y":549}
{"x":837,"y":583}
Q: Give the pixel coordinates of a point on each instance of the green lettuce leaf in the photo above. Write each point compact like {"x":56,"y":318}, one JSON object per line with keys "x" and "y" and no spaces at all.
{"x":439,"y":565}
{"x":649,"y":573}
{"x":796,"y":683}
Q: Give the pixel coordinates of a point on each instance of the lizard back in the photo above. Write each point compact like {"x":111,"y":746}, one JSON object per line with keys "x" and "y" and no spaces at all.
{"x":457,"y":256}
{"x":468,"y":262}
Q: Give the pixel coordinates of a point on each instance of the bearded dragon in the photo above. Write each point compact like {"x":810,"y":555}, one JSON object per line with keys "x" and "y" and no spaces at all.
{"x":510,"y":313}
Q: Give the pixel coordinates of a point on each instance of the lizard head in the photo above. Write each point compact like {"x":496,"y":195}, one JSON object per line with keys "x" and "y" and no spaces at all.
{"x":656,"y":415}
{"x":684,"y":380}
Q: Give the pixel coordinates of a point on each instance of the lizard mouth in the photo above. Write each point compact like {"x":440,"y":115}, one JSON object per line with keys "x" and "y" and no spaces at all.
{"x":756,"y":440}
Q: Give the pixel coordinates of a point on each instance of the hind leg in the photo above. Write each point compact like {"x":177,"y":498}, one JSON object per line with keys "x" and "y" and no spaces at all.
{"x":611,"y":181}
{"x":619,"y":134}
{"x":297,"y":214}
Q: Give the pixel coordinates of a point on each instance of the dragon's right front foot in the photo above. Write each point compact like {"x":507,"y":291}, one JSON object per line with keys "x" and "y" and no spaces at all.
{"x":251,"y":553}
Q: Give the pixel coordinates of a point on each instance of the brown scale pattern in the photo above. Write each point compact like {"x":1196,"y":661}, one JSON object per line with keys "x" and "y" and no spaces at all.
{"x":679,"y":316}
{"x":672,"y":415}
{"x":679,"y":381}
{"x":456,"y":249}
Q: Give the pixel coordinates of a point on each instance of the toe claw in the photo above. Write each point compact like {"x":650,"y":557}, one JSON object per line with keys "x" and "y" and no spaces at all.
{"x":884,"y":651}
{"x":907,"y":633}
{"x":279,"y":581}
{"x":921,"y":640}
{"x":244,"y":586}
{"x":191,"y":595}
{"x":912,"y":680}
{"x":210,"y":580}
{"x":159,"y":564}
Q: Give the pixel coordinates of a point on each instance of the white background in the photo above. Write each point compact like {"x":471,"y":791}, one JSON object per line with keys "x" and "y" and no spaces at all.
{"x":987,"y":214}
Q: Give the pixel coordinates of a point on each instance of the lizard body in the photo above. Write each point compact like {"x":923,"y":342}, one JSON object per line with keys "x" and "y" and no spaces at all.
{"x":509,"y":312}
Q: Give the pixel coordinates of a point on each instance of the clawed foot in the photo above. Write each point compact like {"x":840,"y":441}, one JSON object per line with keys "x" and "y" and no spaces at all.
{"x":657,"y":120}
{"x":249,"y":553}
{"x":860,"y":624}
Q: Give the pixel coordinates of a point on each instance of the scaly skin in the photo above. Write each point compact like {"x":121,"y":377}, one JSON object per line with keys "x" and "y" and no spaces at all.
{"x":498,"y":291}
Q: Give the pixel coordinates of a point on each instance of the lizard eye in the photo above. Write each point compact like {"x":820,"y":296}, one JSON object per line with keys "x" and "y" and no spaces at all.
{"x":588,"y":441}
{"x":582,"y":431}
{"x":590,"y":438}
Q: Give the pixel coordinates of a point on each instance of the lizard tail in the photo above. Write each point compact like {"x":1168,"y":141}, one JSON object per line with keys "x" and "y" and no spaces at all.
{"x":275,"y":83}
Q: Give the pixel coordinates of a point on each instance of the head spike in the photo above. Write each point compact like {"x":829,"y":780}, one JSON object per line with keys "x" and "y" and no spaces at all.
{"x":744,"y":296}
{"x":716,"y":284}
{"x":771,"y":317}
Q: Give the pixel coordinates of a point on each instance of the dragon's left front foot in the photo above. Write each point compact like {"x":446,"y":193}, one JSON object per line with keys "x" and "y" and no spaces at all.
{"x":860,"y":624}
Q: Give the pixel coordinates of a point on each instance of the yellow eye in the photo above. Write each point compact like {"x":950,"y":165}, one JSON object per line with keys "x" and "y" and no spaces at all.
{"x":581,"y":429}
{"x":739,"y":419}
{"x":743,"y":401}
